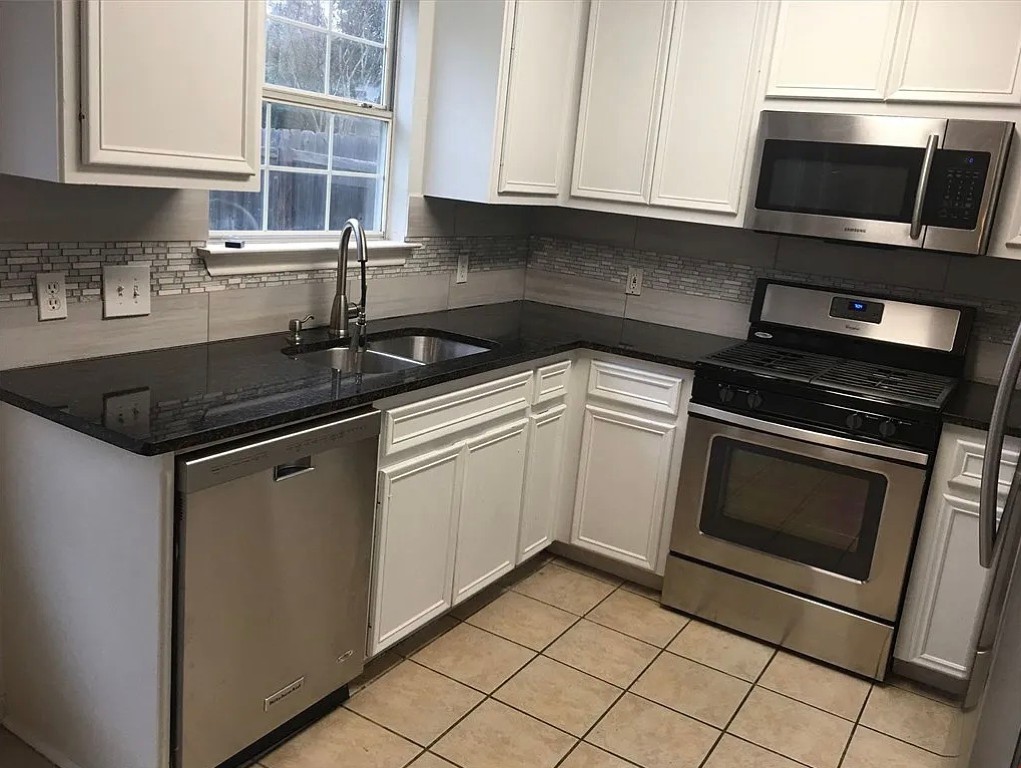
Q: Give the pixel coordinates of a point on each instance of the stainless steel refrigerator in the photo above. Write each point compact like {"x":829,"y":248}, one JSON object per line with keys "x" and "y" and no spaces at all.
{"x":991,"y":723}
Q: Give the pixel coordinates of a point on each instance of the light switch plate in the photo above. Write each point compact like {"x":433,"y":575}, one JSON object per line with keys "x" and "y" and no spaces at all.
{"x":125,"y":291}
{"x":128,"y":411}
{"x":462,"y":268}
{"x":51,"y":293}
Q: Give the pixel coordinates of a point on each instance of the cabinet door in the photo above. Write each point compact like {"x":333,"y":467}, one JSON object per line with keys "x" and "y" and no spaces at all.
{"x":415,"y":528}
{"x":622,"y":482}
{"x":490,"y":509}
{"x":951,"y":51}
{"x":621,"y":97}
{"x":172,"y":85}
{"x":833,"y":49}
{"x":539,"y":99}
{"x":703,"y":132}
{"x":542,"y":480}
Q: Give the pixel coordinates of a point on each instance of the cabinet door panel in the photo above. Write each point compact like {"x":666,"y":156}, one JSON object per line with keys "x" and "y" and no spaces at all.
{"x":539,"y":95}
{"x":490,"y":508}
{"x":416,"y":526}
{"x":542,"y":483}
{"x":959,"y":52}
{"x":833,"y":49}
{"x":172,"y":85}
{"x":703,"y":134}
{"x":622,"y":482}
{"x":622,"y":90}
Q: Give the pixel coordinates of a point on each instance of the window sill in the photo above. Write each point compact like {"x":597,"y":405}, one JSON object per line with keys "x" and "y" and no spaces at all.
{"x":269,"y":257}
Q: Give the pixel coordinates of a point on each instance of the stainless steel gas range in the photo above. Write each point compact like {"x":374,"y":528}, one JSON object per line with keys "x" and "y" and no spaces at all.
{"x":806,"y":461}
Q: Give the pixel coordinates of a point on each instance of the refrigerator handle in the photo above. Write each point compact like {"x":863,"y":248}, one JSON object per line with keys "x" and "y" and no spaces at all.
{"x":991,"y":461}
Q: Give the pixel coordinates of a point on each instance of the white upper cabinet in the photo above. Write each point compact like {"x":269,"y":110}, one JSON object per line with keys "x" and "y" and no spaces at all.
{"x":621,"y":98}
{"x":703,"y":131}
{"x":502,"y":97}
{"x":158,"y":93}
{"x":953,"y":51}
{"x":833,"y":49}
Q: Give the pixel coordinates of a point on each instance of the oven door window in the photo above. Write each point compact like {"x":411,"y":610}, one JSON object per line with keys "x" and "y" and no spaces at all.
{"x":857,"y":181}
{"x":792,"y":506}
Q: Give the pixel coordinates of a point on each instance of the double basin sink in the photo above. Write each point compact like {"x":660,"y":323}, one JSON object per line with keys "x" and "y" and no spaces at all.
{"x":396,"y":352}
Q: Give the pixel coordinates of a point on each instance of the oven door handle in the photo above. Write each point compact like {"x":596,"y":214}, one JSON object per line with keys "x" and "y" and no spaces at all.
{"x":809,"y":436}
{"x":931,"y":145}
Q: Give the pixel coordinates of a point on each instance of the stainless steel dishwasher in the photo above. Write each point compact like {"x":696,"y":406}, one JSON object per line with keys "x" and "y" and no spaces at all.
{"x":274,"y":543}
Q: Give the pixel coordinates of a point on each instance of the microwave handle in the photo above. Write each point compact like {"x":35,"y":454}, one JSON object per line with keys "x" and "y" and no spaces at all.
{"x":931,"y":145}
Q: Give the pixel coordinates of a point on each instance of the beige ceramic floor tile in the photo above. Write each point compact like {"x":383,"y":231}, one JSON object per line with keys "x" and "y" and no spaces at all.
{"x":477,"y":602}
{"x":791,"y":728}
{"x":696,"y":690}
{"x":595,"y":573}
{"x":732,"y":752}
{"x":565,"y":588}
{"x":429,"y":760}
{"x":475,"y":657}
{"x":874,"y":750}
{"x":343,"y":738}
{"x":653,"y":736}
{"x":641,"y":589}
{"x":815,"y":684}
{"x":496,"y":736}
{"x":420,"y":639}
{"x":414,"y":701}
{"x":924,"y":690}
{"x":17,"y":754}
{"x":639,"y":617}
{"x":912,"y":718}
{"x":721,"y":649}
{"x":558,"y":695}
{"x":376,"y":667}
{"x":602,"y":652}
{"x":523,"y":620}
{"x":587,"y":756}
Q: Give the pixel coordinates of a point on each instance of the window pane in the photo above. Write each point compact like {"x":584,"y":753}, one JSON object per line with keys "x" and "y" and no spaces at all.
{"x":357,"y":196}
{"x":308,"y":11}
{"x":299,"y":137}
{"x":295,"y":57}
{"x":235,"y":211}
{"x":359,"y":144}
{"x":296,"y":201}
{"x":356,"y":70}
{"x":361,"y":18}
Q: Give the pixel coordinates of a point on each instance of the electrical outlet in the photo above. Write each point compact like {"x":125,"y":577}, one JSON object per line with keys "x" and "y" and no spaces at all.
{"x":128,"y":411}
{"x":634,"y":281}
{"x":125,"y":291}
{"x":462,"y":268}
{"x":51,"y":293}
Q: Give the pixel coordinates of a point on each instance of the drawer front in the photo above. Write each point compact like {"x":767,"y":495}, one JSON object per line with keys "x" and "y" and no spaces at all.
{"x":641,"y":389}
{"x":551,"y":382}
{"x":419,"y":423}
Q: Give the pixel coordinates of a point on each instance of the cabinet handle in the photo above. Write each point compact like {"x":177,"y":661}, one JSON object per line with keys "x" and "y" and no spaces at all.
{"x":292,"y":469}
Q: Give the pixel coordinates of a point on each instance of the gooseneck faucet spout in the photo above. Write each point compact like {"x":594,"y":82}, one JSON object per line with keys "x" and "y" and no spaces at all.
{"x":343,"y":310}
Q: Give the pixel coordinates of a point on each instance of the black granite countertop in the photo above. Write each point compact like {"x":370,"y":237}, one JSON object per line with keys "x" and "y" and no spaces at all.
{"x":972,"y":406}
{"x":208,"y":392}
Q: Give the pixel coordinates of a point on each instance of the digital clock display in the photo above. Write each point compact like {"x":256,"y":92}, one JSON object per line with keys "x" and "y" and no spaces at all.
{"x":859,"y":306}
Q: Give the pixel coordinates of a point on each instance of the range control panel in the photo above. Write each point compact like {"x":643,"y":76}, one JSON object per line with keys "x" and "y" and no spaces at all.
{"x":955,"y":189}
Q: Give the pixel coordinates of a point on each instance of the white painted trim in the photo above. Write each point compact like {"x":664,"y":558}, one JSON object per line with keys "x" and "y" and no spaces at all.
{"x":266,"y":257}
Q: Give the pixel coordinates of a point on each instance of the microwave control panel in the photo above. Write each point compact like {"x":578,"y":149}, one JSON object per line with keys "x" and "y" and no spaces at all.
{"x":954,"y":194}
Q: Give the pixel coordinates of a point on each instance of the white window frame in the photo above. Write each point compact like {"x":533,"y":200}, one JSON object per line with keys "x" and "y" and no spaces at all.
{"x":278,"y":94}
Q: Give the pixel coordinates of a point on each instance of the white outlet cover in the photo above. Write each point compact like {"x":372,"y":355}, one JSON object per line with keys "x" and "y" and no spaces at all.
{"x":462,"y":268}
{"x":126,"y":291}
{"x":633,"y":287}
{"x":128,"y":411}
{"x":51,"y":294}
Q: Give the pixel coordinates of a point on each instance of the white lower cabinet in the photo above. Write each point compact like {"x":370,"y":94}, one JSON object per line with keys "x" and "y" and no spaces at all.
{"x":622,"y":485}
{"x":414,"y":559}
{"x":543,"y":477}
{"x":490,"y":509}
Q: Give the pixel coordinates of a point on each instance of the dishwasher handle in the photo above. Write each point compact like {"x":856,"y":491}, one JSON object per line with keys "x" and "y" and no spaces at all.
{"x":286,"y":454}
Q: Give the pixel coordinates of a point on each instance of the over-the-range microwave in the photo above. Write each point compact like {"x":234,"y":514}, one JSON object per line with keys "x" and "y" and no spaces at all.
{"x":916,"y":182}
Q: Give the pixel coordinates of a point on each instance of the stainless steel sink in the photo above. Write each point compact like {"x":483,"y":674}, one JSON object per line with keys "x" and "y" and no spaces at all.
{"x":368,"y":362}
{"x":425,"y":349}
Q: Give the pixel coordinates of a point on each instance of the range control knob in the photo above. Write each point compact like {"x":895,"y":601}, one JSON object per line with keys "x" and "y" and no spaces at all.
{"x":887,"y":428}
{"x":725,"y":393}
{"x":854,"y":421}
{"x":754,"y":400}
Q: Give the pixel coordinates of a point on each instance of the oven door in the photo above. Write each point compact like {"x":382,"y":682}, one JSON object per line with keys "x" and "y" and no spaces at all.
{"x":824,"y":516}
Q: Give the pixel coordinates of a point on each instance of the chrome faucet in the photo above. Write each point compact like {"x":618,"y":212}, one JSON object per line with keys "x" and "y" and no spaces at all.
{"x":343,"y":311}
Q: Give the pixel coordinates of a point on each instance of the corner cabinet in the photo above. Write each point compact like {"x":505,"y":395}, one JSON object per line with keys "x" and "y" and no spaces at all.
{"x":157,"y":94}
{"x":502,"y":97}
{"x":944,"y":596}
{"x":940,"y":51}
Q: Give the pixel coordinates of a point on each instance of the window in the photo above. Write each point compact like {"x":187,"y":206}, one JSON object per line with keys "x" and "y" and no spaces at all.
{"x":326,"y":121}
